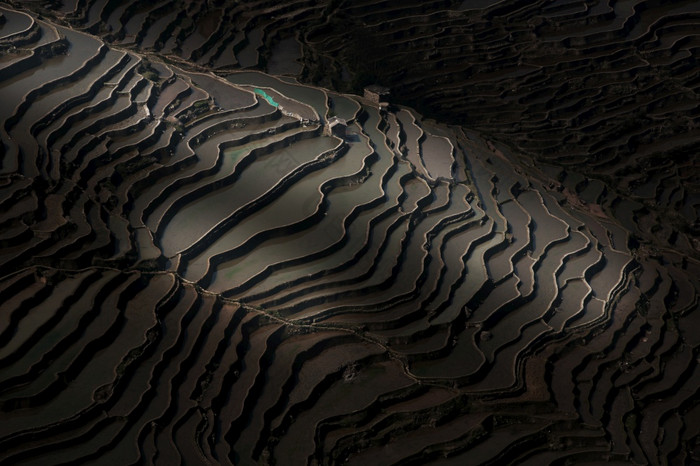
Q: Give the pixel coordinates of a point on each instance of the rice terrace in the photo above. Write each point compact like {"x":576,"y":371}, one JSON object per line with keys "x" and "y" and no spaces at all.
{"x":363,"y":232}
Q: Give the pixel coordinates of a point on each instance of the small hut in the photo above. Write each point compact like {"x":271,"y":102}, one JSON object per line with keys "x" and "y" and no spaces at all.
{"x":336,"y":127}
{"x":377,"y":94}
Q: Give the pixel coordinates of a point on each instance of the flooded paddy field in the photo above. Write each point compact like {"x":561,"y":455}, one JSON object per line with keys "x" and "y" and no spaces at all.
{"x":198,"y":268}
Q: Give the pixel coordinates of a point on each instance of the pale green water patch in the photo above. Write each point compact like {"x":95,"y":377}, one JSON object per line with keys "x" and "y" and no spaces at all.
{"x":307,"y":95}
{"x":265,"y":96}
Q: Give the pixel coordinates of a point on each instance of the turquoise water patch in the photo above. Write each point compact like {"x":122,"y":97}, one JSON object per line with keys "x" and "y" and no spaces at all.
{"x":264,"y":95}
{"x":236,"y":153}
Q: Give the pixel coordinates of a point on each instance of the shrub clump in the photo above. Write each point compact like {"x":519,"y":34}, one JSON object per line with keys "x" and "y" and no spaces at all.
{"x":147,"y":71}
{"x":150,"y":75}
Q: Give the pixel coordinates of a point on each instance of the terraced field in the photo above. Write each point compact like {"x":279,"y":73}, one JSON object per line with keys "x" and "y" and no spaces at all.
{"x":603,"y":91}
{"x":194,"y":270}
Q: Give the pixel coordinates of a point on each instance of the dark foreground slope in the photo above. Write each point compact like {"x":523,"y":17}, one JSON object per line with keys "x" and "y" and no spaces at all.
{"x":193,"y":272}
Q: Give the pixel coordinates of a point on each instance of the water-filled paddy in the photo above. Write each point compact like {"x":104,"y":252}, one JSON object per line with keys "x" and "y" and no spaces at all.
{"x":204,"y":265}
{"x":15,"y":22}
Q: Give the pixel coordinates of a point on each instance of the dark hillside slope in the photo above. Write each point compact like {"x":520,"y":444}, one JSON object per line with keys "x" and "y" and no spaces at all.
{"x":196,"y":269}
